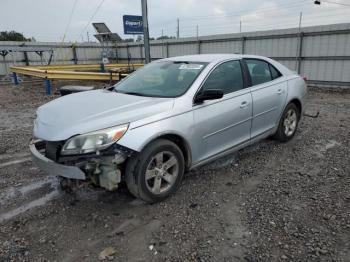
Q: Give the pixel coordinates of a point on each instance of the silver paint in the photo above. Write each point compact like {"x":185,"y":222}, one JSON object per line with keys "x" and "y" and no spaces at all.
{"x":210,"y":129}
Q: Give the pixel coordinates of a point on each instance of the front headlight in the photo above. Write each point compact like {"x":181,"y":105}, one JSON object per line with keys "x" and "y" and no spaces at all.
{"x":91,"y":142}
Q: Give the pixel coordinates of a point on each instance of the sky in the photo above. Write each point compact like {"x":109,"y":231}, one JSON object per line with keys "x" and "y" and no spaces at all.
{"x":70,"y":20}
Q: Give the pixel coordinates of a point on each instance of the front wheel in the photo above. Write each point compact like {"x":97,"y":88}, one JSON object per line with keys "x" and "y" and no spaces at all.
{"x":156,"y":172}
{"x":288,"y":123}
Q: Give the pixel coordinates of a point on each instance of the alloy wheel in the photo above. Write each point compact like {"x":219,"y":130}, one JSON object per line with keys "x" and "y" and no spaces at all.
{"x":161,"y":172}
{"x":290,"y":122}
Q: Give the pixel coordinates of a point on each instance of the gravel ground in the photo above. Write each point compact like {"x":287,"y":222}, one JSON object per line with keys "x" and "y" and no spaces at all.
{"x":268,"y":202}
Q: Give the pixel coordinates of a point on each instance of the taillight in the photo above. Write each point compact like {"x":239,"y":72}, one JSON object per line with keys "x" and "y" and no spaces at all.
{"x":304,"y":78}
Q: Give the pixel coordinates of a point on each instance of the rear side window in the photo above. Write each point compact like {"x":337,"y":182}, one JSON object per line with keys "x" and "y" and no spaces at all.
{"x":227,"y":77}
{"x":274,"y":72}
{"x":259,"y":71}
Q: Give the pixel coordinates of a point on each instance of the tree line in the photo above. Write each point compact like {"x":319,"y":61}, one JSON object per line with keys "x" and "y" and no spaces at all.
{"x":13,"y":36}
{"x":140,"y":38}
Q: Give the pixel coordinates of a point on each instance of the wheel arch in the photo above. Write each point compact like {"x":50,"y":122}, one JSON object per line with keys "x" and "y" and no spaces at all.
{"x":298,"y":104}
{"x":180,"y":141}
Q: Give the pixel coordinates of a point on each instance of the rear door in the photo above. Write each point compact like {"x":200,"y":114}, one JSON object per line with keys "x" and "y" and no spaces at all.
{"x":223,"y":123}
{"x":269,"y":93}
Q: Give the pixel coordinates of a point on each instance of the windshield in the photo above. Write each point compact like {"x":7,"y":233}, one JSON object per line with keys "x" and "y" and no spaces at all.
{"x":161,"y":79}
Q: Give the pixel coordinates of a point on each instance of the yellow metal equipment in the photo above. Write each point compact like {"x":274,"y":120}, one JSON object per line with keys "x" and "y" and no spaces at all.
{"x":75,"y":72}
{"x":100,"y":72}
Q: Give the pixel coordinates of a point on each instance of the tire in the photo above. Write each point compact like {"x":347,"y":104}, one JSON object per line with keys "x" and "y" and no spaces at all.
{"x":288,"y":124}
{"x":150,"y":175}
{"x":66,"y":185}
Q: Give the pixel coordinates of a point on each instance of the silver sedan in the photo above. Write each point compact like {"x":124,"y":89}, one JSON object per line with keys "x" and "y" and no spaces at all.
{"x":166,"y":118}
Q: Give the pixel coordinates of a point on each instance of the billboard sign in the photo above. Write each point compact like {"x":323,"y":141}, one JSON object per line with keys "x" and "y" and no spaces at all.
{"x":132,"y":25}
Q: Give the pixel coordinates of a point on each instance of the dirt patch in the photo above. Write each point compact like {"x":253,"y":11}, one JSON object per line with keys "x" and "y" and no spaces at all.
{"x":268,"y":202}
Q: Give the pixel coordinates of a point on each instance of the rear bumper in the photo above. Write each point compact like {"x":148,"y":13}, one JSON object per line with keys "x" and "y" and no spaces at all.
{"x":53,"y":168}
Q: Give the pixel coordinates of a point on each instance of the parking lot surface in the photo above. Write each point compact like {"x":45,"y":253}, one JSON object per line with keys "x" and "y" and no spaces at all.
{"x":268,"y":202}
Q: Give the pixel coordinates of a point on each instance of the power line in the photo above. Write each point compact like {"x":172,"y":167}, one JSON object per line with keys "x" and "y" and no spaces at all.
{"x":239,"y":13}
{"x":308,"y":20}
{"x":305,"y":17}
{"x":248,"y":23}
{"x":254,"y":11}
{"x":337,"y":3}
{"x":92,"y":17}
{"x":238,"y":17}
{"x":265,"y":9}
{"x":69,"y":20}
{"x":252,"y":23}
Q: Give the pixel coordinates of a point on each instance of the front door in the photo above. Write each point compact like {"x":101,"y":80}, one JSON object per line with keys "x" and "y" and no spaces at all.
{"x":223,"y":123}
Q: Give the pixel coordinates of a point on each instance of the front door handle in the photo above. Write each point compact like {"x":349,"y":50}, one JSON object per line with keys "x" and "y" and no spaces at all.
{"x":279,"y":91}
{"x":244,"y":104}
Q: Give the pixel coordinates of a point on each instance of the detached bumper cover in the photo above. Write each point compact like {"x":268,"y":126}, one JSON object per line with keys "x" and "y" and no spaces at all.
{"x":54,"y":168}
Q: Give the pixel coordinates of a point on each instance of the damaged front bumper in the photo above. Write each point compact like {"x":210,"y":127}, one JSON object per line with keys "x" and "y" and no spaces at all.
{"x":102,"y":169}
{"x":51,"y":167}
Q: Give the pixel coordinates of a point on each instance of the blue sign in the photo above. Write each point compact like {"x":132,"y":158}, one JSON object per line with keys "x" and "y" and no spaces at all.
{"x":133,"y":25}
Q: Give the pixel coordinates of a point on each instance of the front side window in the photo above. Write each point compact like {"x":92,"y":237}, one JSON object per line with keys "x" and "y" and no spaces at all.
{"x":226,"y":77}
{"x":161,"y":79}
{"x":259,"y":71}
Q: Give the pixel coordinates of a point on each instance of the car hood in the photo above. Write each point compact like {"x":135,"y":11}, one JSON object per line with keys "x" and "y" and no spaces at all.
{"x":89,"y":111}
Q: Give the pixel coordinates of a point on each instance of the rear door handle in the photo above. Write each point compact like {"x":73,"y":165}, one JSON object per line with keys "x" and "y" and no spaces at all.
{"x":244,"y":104}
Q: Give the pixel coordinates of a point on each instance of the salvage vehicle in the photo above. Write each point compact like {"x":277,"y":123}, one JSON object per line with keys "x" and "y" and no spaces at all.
{"x":166,"y":118}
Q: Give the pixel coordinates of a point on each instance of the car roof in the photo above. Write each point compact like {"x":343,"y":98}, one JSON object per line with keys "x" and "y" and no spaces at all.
{"x":208,"y":58}
{"x":217,"y":58}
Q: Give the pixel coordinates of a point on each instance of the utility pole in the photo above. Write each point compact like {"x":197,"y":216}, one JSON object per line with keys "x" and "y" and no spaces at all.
{"x":240,"y":26}
{"x":145,"y":31}
{"x":300,"y":17}
{"x":178,"y":29}
{"x":197,"y":32}
{"x":88,"y":37}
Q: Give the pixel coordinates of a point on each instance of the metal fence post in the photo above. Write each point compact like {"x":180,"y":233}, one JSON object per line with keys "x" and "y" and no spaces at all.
{"x":116,"y":53}
{"x":162,"y":48}
{"x":75,"y":56}
{"x":199,"y":46}
{"x":167,"y":49}
{"x":127,"y":52}
{"x":300,"y":52}
{"x":26,"y":59}
{"x":48,"y":86}
{"x":15,"y":78}
{"x":102,"y":68}
{"x":141,"y":56}
{"x":243,"y":44}
{"x":4,"y":53}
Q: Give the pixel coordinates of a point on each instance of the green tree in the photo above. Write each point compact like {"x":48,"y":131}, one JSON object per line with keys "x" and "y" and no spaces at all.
{"x":12,"y":36}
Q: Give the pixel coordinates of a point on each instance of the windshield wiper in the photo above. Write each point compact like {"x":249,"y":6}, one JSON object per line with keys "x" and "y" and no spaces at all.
{"x":181,"y":62}
{"x":131,"y":93}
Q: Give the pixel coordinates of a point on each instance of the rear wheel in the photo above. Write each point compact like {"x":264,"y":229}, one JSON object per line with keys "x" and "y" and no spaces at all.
{"x":288,"y":123}
{"x":156,"y":172}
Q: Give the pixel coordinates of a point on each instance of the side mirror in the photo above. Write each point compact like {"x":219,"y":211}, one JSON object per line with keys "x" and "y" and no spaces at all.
{"x":209,"y":94}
